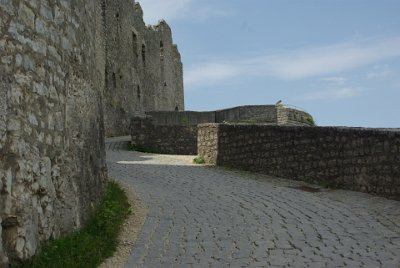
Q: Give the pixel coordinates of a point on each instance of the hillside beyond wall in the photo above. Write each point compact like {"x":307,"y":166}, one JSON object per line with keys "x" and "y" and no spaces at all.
{"x":366,"y":160}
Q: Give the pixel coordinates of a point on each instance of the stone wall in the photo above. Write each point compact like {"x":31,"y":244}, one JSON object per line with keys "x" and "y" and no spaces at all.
{"x":292,"y":117}
{"x":366,"y":160}
{"x":207,"y":142}
{"x":143,"y":67}
{"x":265,"y":114}
{"x":181,"y":118}
{"x":163,"y":139}
{"x":52,"y":158}
{"x":248,"y":114}
{"x":180,"y":123}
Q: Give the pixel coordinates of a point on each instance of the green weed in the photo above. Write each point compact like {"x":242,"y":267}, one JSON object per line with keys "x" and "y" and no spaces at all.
{"x":95,"y":242}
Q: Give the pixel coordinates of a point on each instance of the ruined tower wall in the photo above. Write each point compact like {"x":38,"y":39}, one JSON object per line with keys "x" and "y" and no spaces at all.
{"x":143,"y":67}
{"x":52,"y":159}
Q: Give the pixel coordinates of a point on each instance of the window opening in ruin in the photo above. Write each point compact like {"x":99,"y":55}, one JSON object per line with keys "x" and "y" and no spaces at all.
{"x":161,"y":50}
{"x":165,"y":84}
{"x":144,"y":54}
{"x":138,"y":92}
{"x":134,"y":44}
{"x":176,"y":108}
{"x":114,"y":80}
{"x":118,"y":22}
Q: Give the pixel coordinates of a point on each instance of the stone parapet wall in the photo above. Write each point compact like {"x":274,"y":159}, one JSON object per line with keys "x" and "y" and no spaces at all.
{"x":366,"y":160}
{"x":260,"y":114}
{"x":292,"y":117}
{"x":181,"y":118}
{"x":52,"y":157}
{"x":163,"y":139}
{"x":248,"y":114}
{"x":207,"y":142}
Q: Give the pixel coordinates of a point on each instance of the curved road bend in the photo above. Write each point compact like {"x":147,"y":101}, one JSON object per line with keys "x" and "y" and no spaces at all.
{"x":211,"y":217}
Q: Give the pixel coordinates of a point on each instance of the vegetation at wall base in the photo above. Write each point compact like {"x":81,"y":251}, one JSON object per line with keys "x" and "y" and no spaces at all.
{"x":95,"y":242}
{"x":199,"y":160}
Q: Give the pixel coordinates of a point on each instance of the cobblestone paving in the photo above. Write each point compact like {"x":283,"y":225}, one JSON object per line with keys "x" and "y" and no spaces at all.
{"x":212,"y":217}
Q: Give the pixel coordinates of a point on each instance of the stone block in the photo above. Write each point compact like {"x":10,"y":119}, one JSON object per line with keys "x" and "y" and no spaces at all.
{"x":7,"y":6}
{"x":41,"y":26}
{"x":66,"y":44}
{"x":45,"y":11}
{"x":58,"y":15}
{"x":28,"y":63}
{"x":38,"y":46}
{"x":53,"y":52}
{"x":26,"y":15}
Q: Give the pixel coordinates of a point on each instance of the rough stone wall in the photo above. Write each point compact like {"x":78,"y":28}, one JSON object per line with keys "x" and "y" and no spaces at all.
{"x":292,"y":117}
{"x":366,"y":160}
{"x":164,"y":139}
{"x":207,"y":142}
{"x":52,"y":158}
{"x":183,"y":118}
{"x":180,"y":123}
{"x":265,"y":114}
{"x":248,"y":114}
{"x":143,"y":68}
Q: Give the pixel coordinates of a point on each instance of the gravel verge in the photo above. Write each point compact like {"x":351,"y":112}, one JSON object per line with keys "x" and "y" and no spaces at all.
{"x":130,"y":230}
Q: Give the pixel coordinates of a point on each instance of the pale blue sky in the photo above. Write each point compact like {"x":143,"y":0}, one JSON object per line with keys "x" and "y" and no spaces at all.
{"x":337,"y":59}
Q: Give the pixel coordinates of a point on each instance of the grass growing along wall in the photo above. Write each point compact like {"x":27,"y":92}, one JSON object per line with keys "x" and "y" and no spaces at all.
{"x":95,"y":242}
{"x":199,"y":160}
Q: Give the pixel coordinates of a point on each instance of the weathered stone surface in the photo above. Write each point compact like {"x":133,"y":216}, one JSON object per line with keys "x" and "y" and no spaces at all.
{"x":207,"y":142}
{"x":165,"y":139}
{"x":26,"y":15}
{"x":365,"y":160}
{"x":52,"y":158}
{"x":69,"y":71}
{"x":143,"y":66}
{"x":176,"y":131}
{"x":263,"y":114}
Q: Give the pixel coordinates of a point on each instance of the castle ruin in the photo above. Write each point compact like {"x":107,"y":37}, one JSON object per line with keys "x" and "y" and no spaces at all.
{"x":75,"y":71}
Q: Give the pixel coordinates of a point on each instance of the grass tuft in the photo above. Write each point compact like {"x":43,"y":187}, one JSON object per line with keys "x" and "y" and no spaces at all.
{"x":96,"y":241}
{"x":199,"y":160}
{"x":309,"y":120}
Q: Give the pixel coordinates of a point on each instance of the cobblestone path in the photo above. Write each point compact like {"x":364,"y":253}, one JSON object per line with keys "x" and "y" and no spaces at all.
{"x":211,"y":217}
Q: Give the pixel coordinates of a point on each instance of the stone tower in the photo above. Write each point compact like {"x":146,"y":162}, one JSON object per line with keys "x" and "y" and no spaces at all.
{"x":143,"y":66}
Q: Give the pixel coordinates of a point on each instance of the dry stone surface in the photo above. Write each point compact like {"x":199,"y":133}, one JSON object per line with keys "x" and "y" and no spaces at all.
{"x":52,"y":157}
{"x":71,"y":72}
{"x":358,"y":159}
{"x":202,"y":216}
